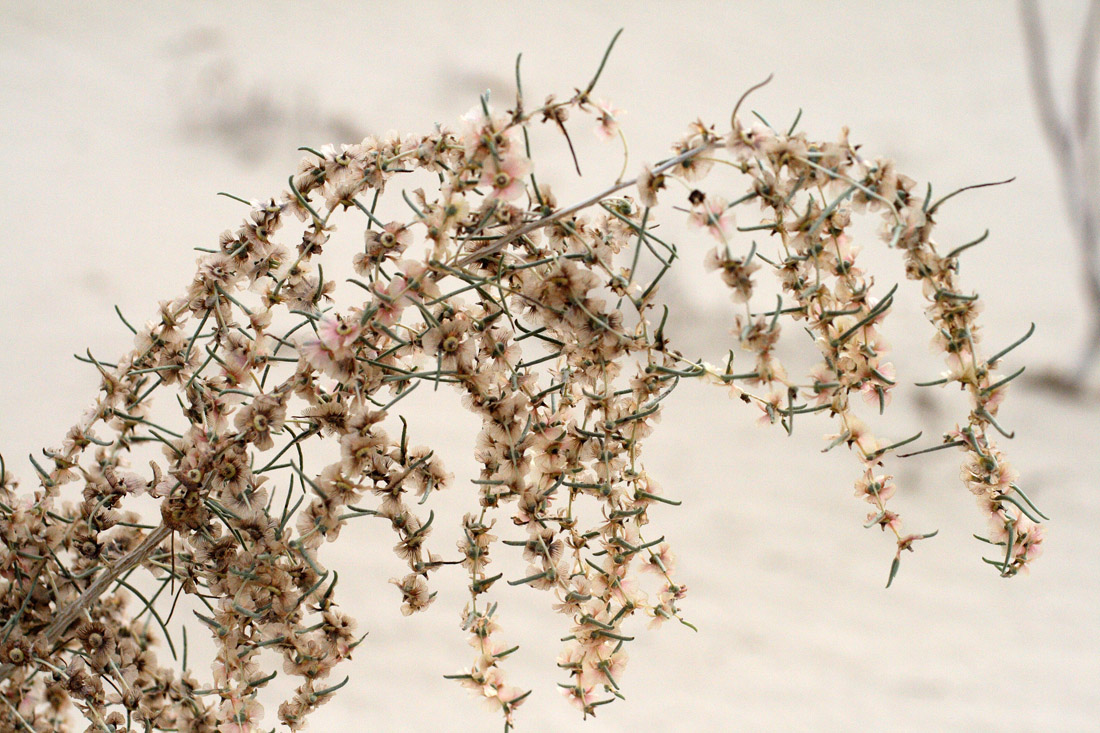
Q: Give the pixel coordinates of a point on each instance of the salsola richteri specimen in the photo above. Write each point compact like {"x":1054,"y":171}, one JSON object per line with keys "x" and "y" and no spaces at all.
{"x":539,"y":315}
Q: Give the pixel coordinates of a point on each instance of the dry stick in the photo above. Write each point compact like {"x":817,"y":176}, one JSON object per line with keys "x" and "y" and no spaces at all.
{"x":66,"y":618}
{"x":1072,"y":142}
{"x":501,"y":243}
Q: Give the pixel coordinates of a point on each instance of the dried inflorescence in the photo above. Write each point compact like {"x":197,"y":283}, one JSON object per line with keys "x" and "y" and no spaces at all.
{"x":538,"y":315}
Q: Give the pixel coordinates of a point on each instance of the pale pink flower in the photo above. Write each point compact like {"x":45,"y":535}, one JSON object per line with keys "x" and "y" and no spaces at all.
{"x":871,"y":387}
{"x":390,"y":300}
{"x":884,"y":520}
{"x":714,"y":214}
{"x":660,"y":613}
{"x":506,"y":176}
{"x":744,"y":144}
{"x":862,"y":437}
{"x":481,"y":134}
{"x":27,"y":705}
{"x":603,"y":668}
{"x":240,"y":714}
{"x":962,"y":367}
{"x":318,"y":355}
{"x":498,"y":694}
{"x":332,"y":351}
{"x":338,"y":334}
{"x":414,"y":281}
{"x":1029,"y":541}
{"x":662,"y":561}
{"x":607,"y":120}
{"x":648,"y":185}
{"x":580,"y":697}
{"x":380,"y":245}
{"x":736,"y":272}
{"x":875,"y":489}
{"x":771,"y":405}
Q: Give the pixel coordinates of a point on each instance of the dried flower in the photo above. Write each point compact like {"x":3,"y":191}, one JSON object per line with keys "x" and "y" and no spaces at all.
{"x":539,"y":317}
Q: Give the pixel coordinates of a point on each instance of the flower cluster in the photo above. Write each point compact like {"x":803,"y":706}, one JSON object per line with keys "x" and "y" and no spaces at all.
{"x":537,"y":316}
{"x":808,"y":193}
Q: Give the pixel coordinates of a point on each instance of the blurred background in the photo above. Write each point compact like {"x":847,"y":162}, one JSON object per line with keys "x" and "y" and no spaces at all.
{"x":119,"y":122}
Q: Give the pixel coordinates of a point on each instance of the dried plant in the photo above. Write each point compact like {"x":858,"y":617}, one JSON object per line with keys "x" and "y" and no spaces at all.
{"x":539,"y":315}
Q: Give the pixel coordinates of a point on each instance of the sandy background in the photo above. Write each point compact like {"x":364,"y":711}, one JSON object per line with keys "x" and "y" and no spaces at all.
{"x":119,"y":123}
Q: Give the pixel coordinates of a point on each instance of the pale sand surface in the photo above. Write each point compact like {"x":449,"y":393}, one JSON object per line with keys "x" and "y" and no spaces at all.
{"x":114,"y":149}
